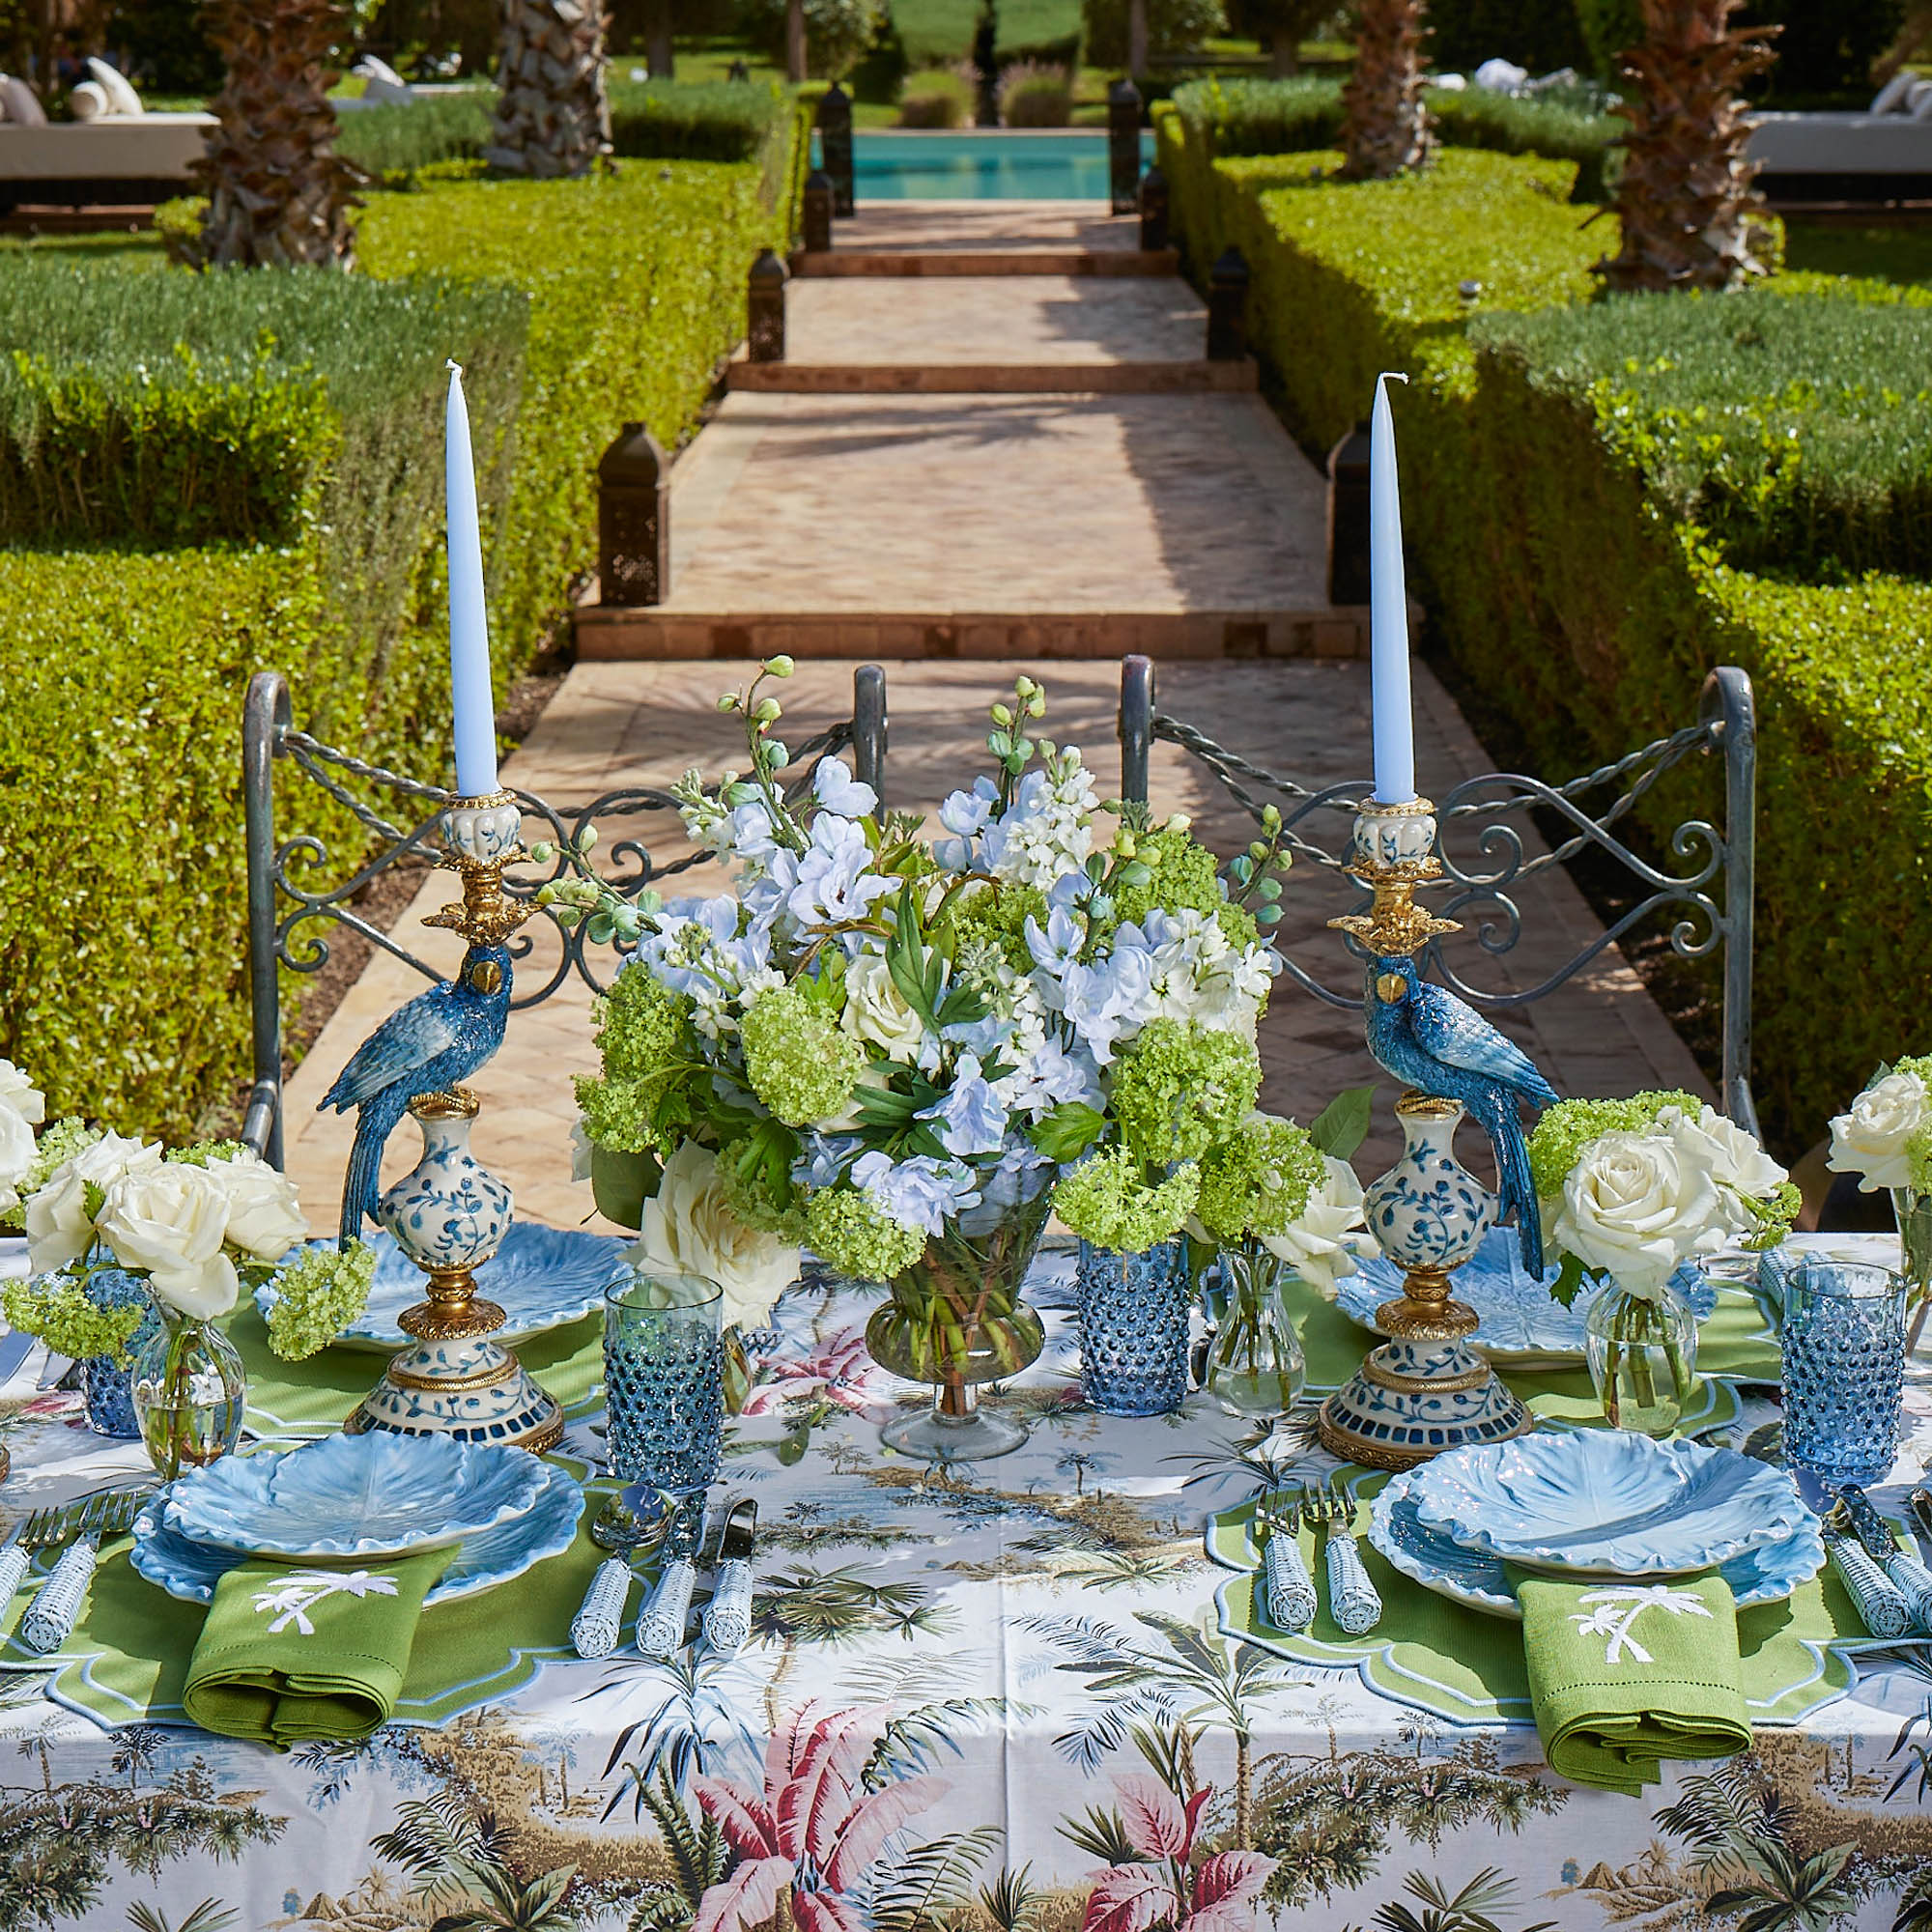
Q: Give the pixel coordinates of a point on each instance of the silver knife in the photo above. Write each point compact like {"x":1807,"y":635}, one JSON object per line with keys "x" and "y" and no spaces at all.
{"x":728,"y":1617}
{"x":14,"y":1347}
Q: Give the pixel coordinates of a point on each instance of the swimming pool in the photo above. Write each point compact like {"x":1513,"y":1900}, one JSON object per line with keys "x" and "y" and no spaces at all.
{"x":993,"y":164}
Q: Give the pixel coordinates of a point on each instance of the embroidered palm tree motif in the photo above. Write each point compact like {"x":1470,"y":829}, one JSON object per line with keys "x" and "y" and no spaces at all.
{"x":1617,"y":1612}
{"x":298,"y":1593}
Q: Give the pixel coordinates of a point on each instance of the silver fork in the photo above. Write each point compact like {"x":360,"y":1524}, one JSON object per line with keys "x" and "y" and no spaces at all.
{"x":82,"y":1526}
{"x":1353,"y":1602}
{"x":1287,"y":1590}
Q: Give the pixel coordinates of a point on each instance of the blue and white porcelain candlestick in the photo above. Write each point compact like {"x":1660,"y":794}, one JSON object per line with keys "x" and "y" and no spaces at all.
{"x":449,"y":1214}
{"x":1425,"y":1389}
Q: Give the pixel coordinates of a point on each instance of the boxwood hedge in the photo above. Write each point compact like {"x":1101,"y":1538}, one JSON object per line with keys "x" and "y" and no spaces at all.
{"x":1584,"y":486}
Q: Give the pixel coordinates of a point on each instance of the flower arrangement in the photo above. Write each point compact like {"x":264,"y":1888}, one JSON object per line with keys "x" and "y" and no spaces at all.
{"x":1633,"y":1190}
{"x":1886,"y":1135}
{"x":873,"y":1037}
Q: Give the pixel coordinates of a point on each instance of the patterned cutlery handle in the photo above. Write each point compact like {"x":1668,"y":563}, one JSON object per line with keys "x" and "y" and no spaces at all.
{"x":661,"y":1623}
{"x":13,"y":1568}
{"x":728,"y":1617}
{"x":1881,"y":1603}
{"x":1289,"y":1589}
{"x":49,"y":1623}
{"x":1914,"y":1583}
{"x":1353,"y":1602}
{"x":594,"y":1628}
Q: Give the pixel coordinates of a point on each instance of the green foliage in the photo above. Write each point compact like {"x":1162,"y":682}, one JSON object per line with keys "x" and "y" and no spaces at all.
{"x":1796,"y":431}
{"x":1540,"y":34}
{"x":396,"y":139}
{"x":936,"y":97}
{"x":701,"y":121}
{"x":1175,"y":27}
{"x":836,"y":32}
{"x":1609,"y":27}
{"x":1033,"y":96}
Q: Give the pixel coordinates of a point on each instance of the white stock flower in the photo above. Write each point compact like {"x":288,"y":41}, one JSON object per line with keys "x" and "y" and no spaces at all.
{"x":60,"y":1224}
{"x":688,"y":1230}
{"x":169,"y":1222}
{"x":1871,"y":1140}
{"x":1318,"y":1244}
{"x":876,"y":1013}
{"x":265,"y":1217}
{"x":1636,"y":1206}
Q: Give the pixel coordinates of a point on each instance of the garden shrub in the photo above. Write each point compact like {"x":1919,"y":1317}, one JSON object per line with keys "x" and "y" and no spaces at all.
{"x":696,"y":121}
{"x":392,"y":142}
{"x":836,"y":32}
{"x":1035,"y":97}
{"x":1175,"y":27}
{"x":936,"y":97}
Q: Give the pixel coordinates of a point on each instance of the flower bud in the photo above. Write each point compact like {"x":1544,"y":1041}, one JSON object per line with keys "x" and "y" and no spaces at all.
{"x":728,"y":702}
{"x":586,"y":839}
{"x":769,"y":711}
{"x":781,"y":666}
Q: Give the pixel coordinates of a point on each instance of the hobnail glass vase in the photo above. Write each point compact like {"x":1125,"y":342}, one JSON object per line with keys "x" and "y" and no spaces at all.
{"x":1133,"y":1328}
{"x":189,"y":1392}
{"x":1254,"y":1366}
{"x":1914,"y":1210}
{"x":1843,"y":1339}
{"x":955,"y":1319}
{"x":664,"y":1381}
{"x":1642,"y":1352}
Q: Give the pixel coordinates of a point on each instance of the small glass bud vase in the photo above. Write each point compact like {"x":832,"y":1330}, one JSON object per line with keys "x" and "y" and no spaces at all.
{"x":189,"y":1391}
{"x":1255,"y":1366}
{"x":1133,"y":1328}
{"x":1642,"y":1352}
{"x":1913,"y":1210}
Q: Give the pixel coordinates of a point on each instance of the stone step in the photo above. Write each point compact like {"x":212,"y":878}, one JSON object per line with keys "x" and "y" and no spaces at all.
{"x":611,"y":633}
{"x":823,"y":265}
{"x":992,"y":378}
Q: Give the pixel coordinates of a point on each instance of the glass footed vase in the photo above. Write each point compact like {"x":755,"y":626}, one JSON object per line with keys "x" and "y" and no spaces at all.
{"x":1255,"y":1366}
{"x":189,"y":1390}
{"x":955,"y":1319}
{"x":1642,"y":1352}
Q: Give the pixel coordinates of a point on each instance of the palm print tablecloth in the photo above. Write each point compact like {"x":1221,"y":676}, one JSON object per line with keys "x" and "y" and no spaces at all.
{"x":995,"y":1701}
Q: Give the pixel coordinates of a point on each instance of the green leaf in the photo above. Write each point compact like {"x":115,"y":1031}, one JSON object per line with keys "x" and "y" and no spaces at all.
{"x":1070,"y":1130}
{"x":1569,"y":1283}
{"x":1342,"y":1125}
{"x":621,"y":1184}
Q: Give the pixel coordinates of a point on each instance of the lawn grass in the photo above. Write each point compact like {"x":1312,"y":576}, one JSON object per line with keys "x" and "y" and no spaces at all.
{"x":1891,"y":252}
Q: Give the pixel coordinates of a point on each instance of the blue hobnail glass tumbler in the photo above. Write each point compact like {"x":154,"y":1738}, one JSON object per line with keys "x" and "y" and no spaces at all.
{"x":664,"y":1390}
{"x":1133,"y":1328}
{"x":1844,"y":1373}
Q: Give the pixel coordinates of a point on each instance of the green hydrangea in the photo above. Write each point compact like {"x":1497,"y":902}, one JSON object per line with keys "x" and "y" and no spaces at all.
{"x":1920,"y":1063}
{"x":57,"y":1310}
{"x":799,"y":1062}
{"x":198,"y":1153}
{"x":1107,"y":1200}
{"x":1567,"y":1129}
{"x":750,"y":1197}
{"x":59,"y":1141}
{"x":1777,"y":1216}
{"x":985,"y":917}
{"x":317,"y":1297}
{"x":644,"y":1035}
{"x":846,"y":1227}
{"x":1179,"y":1089}
{"x":1259,"y":1182}
{"x":1183,"y":877}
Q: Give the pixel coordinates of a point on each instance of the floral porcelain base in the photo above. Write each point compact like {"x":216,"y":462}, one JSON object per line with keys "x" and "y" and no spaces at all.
{"x":470,"y":1389}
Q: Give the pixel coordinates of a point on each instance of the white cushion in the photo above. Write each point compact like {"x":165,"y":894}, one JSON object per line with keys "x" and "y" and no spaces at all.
{"x":121,"y":96}
{"x":89,"y":103}
{"x":23,"y":108}
{"x":381,"y":81}
{"x":1891,"y":96}
{"x":1500,"y":76}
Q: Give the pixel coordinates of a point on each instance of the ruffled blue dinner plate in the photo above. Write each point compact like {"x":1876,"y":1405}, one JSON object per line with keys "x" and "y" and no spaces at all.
{"x":540,"y":1278}
{"x":1521,"y":1323}
{"x":353,"y":1497}
{"x":1765,"y":1574}
{"x":191,"y":1569}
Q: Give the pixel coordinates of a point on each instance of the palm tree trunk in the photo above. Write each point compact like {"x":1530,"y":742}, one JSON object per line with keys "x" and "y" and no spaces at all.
{"x":1386,"y":125}
{"x":776,"y":1678}
{"x":553,"y":117}
{"x":1137,"y":39}
{"x":1244,"y":1792}
{"x":795,"y":41}
{"x":660,"y":44}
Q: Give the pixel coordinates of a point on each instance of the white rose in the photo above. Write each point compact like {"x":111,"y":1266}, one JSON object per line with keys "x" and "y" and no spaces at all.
{"x":1318,"y":1246}
{"x":875,"y":1012}
{"x":60,"y":1229}
{"x":1871,"y":1140}
{"x":21,"y":1094}
{"x":16,"y":1154}
{"x":1635,"y":1208}
{"x":169,"y":1223}
{"x":1733,"y":1158}
{"x":265,"y":1217}
{"x":688,"y":1230}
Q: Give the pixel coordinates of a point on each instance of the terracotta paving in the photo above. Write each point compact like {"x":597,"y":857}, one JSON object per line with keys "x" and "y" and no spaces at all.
{"x":932,"y":227}
{"x":615,"y":725}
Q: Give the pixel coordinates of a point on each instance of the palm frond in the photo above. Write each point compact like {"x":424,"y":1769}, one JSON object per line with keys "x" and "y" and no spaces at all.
{"x":912,"y":1742}
{"x":1101,"y":1834}
{"x":933,"y":1879}
{"x":1009,"y":1899}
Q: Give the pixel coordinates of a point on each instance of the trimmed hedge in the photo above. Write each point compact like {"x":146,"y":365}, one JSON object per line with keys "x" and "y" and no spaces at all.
{"x":580,"y":305}
{"x":697,"y":121}
{"x":400,"y":137}
{"x":1282,"y":117}
{"x":1550,"y":465}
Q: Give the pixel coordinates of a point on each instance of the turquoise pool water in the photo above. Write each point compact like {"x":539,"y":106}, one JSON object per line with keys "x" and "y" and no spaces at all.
{"x":997,"y":164}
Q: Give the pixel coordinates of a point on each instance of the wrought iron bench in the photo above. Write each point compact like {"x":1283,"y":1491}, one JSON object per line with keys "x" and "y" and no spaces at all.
{"x":1486,"y":859}
{"x":291,"y":890}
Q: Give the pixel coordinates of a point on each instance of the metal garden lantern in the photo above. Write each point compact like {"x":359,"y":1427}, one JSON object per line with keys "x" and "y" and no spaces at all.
{"x":765,"y":319}
{"x":633,"y":520}
{"x":1124,"y":144}
{"x":835,"y":146}
{"x":1228,"y":308}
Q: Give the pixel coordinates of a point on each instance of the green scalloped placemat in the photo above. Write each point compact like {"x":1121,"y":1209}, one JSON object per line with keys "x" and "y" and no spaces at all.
{"x":1469,"y":1667}
{"x":128,"y":1657}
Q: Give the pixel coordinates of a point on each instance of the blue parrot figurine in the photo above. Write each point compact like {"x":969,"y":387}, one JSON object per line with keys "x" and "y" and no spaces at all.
{"x":1431,"y":1041}
{"x":442,"y":1037}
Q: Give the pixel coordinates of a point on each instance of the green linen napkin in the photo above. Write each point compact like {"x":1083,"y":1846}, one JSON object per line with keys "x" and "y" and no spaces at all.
{"x":1623,"y":1674}
{"x":291,"y":1652}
